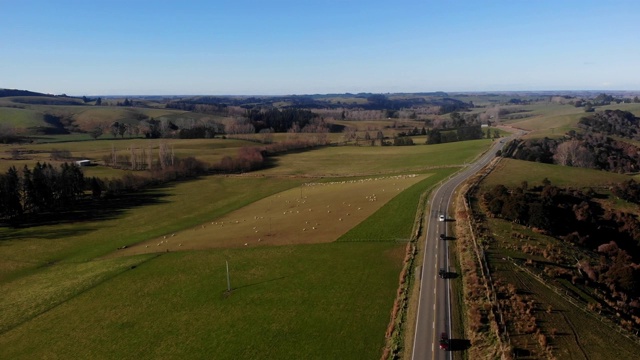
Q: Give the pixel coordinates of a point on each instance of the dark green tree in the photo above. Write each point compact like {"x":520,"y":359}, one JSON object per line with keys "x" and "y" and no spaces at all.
{"x":11,"y":205}
{"x":434,"y":136}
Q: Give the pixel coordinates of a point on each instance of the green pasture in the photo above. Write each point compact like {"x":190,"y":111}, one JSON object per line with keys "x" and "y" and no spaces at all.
{"x":136,"y":299}
{"x":388,"y":127}
{"x":632,"y":108}
{"x":88,"y":117}
{"x":130,"y":219}
{"x":355,"y":160}
{"x":73,"y":137}
{"x":321,"y":301}
{"x":365,"y":125}
{"x":554,"y":120}
{"x":20,"y":119}
{"x":394,"y":221}
{"x":40,"y":101}
{"x":511,"y":173}
{"x":311,"y":213}
{"x":551,"y":120}
{"x":31,"y":295}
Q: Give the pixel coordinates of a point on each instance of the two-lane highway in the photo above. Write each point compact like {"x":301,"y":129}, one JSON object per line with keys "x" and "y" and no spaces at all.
{"x":434,"y":309}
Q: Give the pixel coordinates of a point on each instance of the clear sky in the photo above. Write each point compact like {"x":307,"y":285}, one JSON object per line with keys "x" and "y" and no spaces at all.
{"x":322,"y":46}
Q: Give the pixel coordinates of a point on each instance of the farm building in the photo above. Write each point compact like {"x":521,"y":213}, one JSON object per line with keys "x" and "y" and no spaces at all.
{"x":83,"y":162}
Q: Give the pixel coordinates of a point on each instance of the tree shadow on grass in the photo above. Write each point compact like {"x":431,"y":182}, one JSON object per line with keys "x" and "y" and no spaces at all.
{"x":52,"y":234}
{"x":86,"y":211}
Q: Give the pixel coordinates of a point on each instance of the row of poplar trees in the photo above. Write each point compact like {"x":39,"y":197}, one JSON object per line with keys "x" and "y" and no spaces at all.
{"x":41,"y":189}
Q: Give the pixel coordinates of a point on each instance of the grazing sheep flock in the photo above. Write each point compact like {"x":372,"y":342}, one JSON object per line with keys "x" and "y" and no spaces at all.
{"x":279,"y":221}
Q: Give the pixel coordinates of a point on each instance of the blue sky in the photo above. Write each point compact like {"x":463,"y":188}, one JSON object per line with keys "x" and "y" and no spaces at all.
{"x":324,"y":46}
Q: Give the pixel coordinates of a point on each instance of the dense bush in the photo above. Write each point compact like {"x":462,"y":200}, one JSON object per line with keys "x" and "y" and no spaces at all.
{"x":612,"y":122}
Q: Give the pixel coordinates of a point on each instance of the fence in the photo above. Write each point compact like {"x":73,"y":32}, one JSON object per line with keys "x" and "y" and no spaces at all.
{"x":501,"y":330}
{"x":566,"y":295}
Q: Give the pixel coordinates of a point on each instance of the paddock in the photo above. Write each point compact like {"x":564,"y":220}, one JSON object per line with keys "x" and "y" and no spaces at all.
{"x":316,"y":212}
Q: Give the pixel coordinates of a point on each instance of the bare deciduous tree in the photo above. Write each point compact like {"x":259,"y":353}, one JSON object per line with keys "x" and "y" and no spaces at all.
{"x":573,"y":153}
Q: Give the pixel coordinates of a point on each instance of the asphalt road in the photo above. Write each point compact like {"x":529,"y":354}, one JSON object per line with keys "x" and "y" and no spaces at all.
{"x":434,"y":309}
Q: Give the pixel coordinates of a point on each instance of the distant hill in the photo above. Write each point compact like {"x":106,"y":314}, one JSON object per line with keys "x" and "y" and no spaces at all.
{"x":15,"y":92}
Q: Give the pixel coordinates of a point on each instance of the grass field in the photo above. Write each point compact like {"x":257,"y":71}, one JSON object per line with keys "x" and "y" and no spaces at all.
{"x":397,"y":216}
{"x":351,"y":160}
{"x":310,"y":283}
{"x":551,"y":120}
{"x":554,"y":120}
{"x":632,"y":108}
{"x":311,"y":213}
{"x":131,"y":219}
{"x":511,"y":172}
{"x":20,"y":119}
{"x":87,"y":117}
{"x":289,"y":302}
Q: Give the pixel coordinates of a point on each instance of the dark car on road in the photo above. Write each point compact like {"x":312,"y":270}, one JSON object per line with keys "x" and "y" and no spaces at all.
{"x":442,"y":237}
{"x":442,"y":273}
{"x":444,"y":341}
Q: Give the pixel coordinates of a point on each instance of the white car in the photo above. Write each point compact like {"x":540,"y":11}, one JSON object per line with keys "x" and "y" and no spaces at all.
{"x":441,"y":218}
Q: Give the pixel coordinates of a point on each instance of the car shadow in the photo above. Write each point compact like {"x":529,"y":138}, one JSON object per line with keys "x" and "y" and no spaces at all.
{"x":459,"y":344}
{"x":450,"y":275}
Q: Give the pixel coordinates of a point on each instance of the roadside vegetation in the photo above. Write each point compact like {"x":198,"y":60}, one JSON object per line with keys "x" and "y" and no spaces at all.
{"x":557,"y":243}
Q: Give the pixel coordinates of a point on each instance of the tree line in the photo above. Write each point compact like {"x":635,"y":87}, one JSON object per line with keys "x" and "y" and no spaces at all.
{"x":43,"y":188}
{"x":279,"y":120}
{"x":437,"y":136}
{"x":612,"y":122}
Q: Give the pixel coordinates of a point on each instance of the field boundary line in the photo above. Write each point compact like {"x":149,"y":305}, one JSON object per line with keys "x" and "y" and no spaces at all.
{"x":76,"y":294}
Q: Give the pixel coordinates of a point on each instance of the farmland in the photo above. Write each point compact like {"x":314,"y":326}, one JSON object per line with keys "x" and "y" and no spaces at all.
{"x":298,"y":280}
{"x":315,"y":240}
{"x":304,"y":301}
